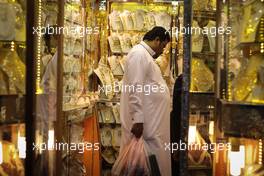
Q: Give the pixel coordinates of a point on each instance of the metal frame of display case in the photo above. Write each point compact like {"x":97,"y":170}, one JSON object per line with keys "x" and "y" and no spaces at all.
{"x":30,"y":111}
{"x":233,"y":118}
{"x":187,"y":55}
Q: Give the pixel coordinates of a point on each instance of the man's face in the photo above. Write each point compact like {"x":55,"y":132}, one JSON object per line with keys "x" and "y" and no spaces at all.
{"x":159,"y":46}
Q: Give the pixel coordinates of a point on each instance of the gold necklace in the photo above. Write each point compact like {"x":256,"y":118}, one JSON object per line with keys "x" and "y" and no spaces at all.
{"x":105,"y":81}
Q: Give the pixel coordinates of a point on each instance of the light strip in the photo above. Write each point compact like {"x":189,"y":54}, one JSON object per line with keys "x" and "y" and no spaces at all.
{"x":261,"y":31}
{"x":229,"y":88}
{"x":38,"y":89}
{"x":260,"y":151}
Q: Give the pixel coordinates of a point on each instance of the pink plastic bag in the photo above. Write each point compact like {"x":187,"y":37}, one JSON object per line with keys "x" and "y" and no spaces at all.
{"x":132,"y":161}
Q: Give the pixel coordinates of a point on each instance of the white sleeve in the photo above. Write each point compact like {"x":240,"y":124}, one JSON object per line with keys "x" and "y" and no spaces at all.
{"x":49,"y":79}
{"x":136,"y":74}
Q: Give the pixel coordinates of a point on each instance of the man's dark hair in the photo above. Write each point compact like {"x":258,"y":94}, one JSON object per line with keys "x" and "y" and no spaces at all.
{"x":47,"y":37}
{"x":157,"y":31}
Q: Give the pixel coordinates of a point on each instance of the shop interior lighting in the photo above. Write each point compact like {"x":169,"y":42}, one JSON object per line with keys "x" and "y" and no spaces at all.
{"x":192,"y":134}
{"x":237,"y":161}
{"x":12,"y":46}
{"x":229,"y":88}
{"x":38,"y":139}
{"x":261,"y":33}
{"x":211,"y":127}
{"x":21,"y":147}
{"x":38,"y":57}
{"x":175,"y":3}
{"x":51,"y":140}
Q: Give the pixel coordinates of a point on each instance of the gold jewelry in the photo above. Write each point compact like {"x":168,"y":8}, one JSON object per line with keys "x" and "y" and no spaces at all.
{"x":103,"y":72}
{"x":247,"y":78}
{"x":251,"y":18}
{"x":202,"y":78}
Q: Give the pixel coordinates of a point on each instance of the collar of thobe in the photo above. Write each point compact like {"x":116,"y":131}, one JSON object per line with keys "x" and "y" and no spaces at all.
{"x":149,"y":50}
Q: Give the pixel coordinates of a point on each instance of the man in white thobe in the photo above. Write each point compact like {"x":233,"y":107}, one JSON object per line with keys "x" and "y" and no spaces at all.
{"x":146,"y":112}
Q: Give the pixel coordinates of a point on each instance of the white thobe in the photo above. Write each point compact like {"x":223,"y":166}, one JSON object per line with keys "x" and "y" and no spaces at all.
{"x":152,"y":109}
{"x":47,"y":101}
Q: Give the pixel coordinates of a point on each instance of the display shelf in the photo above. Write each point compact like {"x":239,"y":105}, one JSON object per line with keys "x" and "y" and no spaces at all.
{"x":118,"y":76}
{"x":159,"y":2}
{"x":12,"y":41}
{"x":248,"y":44}
{"x":50,"y":1}
{"x":121,"y":1}
{"x":204,"y":109}
{"x":11,"y":122}
{"x":110,"y":101}
{"x":241,"y":119}
{"x":68,"y":72}
{"x":201,"y":93}
{"x":204,"y":54}
{"x":78,"y":120}
{"x":76,"y":107}
{"x":128,"y":31}
{"x":208,"y":14}
{"x":240,"y":103}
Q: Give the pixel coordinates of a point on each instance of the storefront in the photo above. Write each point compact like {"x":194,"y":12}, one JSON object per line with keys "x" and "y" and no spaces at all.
{"x":61,"y":69}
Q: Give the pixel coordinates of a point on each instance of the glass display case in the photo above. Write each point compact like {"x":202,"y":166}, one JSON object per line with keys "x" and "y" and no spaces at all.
{"x":12,"y":87}
{"x":63,"y":88}
{"x":240,"y":86}
{"x":202,"y":87}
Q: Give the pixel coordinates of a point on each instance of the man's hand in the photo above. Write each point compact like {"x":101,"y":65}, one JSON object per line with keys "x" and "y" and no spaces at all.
{"x":137,"y":129}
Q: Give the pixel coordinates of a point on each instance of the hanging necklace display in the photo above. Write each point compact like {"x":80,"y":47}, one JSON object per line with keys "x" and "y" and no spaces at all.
{"x":116,"y":113}
{"x":114,"y":62}
{"x":197,"y":39}
{"x":106,"y":114}
{"x":106,"y":136}
{"x":138,"y":19}
{"x":107,"y":79}
{"x":125,"y":42}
